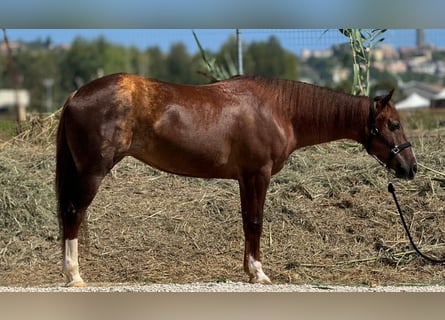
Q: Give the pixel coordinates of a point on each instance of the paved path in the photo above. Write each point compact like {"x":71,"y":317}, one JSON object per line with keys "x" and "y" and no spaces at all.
{"x":225,"y":287}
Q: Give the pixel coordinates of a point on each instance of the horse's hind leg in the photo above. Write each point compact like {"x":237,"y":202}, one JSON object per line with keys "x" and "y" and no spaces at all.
{"x":73,"y":211}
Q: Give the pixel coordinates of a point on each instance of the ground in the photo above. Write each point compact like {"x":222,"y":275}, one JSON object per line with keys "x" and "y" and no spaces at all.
{"x":328,"y":220}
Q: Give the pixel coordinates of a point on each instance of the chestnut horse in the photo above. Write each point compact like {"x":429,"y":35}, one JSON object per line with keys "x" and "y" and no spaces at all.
{"x":244,"y":128}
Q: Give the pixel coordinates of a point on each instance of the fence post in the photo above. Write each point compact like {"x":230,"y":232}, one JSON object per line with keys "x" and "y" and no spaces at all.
{"x":240,"y":52}
{"x":20,"y":114}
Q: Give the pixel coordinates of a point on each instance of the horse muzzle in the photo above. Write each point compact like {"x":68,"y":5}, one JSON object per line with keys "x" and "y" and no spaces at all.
{"x":405,"y":171}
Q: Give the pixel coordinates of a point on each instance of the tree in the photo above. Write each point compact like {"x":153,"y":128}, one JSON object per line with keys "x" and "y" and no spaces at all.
{"x":270,"y":59}
{"x":156,"y":67}
{"x":178,"y":64}
{"x":34,"y":69}
{"x":114,"y":59}
{"x":82,"y":62}
{"x":259,"y":58}
{"x":323,"y":67}
{"x":137,"y":61}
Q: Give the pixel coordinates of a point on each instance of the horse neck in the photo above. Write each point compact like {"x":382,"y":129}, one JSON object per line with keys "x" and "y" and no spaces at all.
{"x":320,"y":115}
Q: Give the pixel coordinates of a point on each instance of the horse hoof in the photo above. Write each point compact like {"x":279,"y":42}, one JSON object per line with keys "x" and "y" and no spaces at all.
{"x":76,"y":284}
{"x":263,"y":280}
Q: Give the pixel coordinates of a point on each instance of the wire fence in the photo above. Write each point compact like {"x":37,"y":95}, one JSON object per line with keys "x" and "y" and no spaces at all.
{"x":295,"y":40}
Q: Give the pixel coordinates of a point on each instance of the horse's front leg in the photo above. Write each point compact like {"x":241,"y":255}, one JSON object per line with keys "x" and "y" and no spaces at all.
{"x":253,"y":188}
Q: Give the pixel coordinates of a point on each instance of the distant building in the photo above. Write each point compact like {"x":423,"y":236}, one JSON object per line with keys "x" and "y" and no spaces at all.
{"x":440,"y":68}
{"x":421,"y":95}
{"x":340,"y":74}
{"x":438,"y":100}
{"x":414,"y":101}
{"x":13,"y":45}
{"x":397,"y":66}
{"x":8,"y":100}
{"x":385,"y":52}
{"x":420,"y":38}
{"x":307,"y":53}
{"x":425,"y":90}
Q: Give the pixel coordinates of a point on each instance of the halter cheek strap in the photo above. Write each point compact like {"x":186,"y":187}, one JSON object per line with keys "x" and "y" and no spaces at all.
{"x":396,"y":150}
{"x":375,"y":133}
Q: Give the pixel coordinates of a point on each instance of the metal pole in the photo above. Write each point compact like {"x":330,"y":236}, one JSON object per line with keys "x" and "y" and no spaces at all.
{"x":14,"y":81}
{"x":240,"y":52}
{"x":48,"y":83}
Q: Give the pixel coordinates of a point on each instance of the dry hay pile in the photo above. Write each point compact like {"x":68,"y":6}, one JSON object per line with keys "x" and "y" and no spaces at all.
{"x":328,"y":219}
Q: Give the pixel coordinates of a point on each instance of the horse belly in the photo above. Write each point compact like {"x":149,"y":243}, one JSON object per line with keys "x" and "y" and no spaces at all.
{"x":188,"y":156}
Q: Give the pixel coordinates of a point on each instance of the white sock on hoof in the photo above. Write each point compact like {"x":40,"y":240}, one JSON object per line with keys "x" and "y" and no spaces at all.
{"x":257,"y":273}
{"x":71,"y":264}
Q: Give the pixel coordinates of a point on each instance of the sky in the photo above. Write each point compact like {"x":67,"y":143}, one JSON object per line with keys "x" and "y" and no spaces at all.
{"x":221,"y":14}
{"x":207,"y":17}
{"x":212,"y":39}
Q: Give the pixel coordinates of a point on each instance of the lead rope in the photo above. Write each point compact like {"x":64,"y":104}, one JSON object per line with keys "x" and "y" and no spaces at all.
{"x":392,"y":190}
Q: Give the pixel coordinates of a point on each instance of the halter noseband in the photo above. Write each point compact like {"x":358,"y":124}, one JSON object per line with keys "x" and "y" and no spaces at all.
{"x":375,"y":133}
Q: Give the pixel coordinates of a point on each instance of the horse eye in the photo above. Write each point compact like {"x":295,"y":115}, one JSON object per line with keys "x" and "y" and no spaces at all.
{"x":393,"y":126}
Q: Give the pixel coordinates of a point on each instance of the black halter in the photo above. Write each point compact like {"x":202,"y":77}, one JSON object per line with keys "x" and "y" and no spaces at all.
{"x":375,"y":133}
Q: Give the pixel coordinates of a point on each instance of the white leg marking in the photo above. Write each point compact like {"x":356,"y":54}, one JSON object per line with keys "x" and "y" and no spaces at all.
{"x":71,"y":264}
{"x":257,"y":273}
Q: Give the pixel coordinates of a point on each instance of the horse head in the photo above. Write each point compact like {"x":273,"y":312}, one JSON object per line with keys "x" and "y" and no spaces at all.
{"x":386,"y":138}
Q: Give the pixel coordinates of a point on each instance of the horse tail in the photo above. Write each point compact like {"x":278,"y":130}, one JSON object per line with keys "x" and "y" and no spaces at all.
{"x":67,"y":176}
{"x":66,"y":171}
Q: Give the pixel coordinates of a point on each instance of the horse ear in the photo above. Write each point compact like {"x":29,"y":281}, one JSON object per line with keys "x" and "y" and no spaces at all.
{"x":384,"y":100}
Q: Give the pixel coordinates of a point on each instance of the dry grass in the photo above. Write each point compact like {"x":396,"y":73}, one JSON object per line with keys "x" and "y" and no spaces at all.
{"x":328,"y":219}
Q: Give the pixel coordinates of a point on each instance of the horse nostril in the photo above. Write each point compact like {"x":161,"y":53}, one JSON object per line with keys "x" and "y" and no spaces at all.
{"x":413,"y":171}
